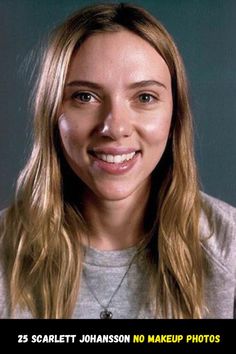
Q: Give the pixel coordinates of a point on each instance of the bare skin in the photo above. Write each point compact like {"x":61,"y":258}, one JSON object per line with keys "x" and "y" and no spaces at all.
{"x":118,"y":224}
{"x":114,"y":125}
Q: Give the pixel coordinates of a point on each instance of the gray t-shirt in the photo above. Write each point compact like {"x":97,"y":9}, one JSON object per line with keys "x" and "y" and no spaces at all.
{"x":118,"y":280}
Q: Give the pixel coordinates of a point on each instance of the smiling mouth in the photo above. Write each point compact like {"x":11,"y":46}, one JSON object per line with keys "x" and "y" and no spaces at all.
{"x":114,"y":159}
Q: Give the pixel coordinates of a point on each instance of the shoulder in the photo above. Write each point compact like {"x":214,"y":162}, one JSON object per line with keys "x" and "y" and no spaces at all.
{"x":3,"y":294}
{"x":219,"y":207}
{"x":3,"y":287}
{"x":218,"y":232}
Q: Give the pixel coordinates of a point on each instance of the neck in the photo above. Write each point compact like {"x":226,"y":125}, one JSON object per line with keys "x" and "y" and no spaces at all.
{"x":115,"y":224}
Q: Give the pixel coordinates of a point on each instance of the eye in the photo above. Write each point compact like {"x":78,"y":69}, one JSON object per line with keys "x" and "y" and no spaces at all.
{"x":83,"y":97}
{"x":146,"y":98}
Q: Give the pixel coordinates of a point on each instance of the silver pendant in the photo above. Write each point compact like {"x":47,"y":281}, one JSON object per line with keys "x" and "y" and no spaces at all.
{"x":106,"y":315}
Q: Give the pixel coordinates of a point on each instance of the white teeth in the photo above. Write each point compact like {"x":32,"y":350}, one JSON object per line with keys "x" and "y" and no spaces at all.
{"x":109,"y":158}
{"x":116,"y":158}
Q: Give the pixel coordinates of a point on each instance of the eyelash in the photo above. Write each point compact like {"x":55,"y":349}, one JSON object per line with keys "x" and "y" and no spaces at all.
{"x":78,"y":97}
{"x":153,"y":98}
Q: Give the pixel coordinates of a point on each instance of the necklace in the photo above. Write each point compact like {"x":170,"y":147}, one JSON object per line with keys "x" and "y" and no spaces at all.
{"x":106,"y":314}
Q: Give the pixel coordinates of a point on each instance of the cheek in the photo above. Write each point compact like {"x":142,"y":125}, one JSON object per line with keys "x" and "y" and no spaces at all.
{"x":72,"y":142}
{"x":71,"y":133}
{"x":156,"y":130}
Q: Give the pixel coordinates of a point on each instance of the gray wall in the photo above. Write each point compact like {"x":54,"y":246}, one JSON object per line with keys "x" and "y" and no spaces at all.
{"x":204,"y":31}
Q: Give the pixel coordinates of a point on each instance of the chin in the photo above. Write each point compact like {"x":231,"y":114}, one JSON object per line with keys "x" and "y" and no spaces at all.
{"x":114,"y":193}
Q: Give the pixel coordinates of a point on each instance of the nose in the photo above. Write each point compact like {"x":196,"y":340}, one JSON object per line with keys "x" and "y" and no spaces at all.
{"x":116,"y":123}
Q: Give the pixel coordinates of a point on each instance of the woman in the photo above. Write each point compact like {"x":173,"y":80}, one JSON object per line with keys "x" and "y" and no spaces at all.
{"x":108,"y":219}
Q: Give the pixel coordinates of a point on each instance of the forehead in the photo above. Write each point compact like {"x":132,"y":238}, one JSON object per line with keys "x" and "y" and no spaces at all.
{"x":118,"y":56}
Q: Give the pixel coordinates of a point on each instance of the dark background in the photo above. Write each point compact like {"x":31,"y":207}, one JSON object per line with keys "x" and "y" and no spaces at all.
{"x":205,"y":32}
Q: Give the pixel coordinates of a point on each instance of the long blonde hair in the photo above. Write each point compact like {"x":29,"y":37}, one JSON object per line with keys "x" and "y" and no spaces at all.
{"x":41,"y":231}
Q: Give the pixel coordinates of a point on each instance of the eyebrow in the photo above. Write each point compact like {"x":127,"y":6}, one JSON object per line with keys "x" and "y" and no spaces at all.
{"x":93,"y":85}
{"x":146,"y":83}
{"x":84,"y":83}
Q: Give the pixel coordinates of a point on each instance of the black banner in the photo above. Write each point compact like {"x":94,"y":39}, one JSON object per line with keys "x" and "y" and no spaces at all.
{"x":127,"y":336}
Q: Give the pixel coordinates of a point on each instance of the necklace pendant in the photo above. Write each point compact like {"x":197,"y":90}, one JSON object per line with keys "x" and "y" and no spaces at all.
{"x":106,"y":315}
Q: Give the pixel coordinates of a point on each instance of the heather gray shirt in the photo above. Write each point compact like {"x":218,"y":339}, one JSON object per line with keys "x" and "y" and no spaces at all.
{"x":119,"y":279}
{"x":114,"y":278}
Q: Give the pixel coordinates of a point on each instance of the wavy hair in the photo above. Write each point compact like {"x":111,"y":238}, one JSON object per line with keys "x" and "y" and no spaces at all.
{"x":42,"y":229}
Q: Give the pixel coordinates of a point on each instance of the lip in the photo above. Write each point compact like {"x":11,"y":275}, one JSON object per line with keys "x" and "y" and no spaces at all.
{"x":115,"y":168}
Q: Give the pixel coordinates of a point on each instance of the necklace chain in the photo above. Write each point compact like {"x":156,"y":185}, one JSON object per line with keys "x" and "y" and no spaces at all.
{"x":106,"y":314}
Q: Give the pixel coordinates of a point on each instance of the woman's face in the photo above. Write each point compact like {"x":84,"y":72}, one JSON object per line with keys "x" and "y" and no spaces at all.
{"x":116,"y":113}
